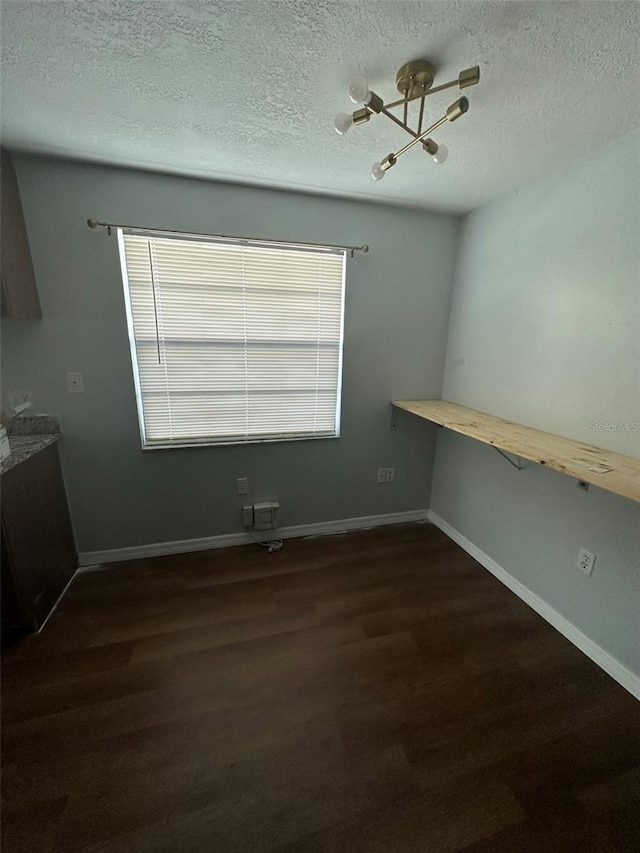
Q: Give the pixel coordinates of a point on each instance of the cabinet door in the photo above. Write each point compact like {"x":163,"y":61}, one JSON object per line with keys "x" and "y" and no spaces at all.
{"x":14,"y":615}
{"x":38,"y":534}
{"x":19,"y":290}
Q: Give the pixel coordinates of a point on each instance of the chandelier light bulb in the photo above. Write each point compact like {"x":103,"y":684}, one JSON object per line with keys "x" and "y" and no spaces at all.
{"x":343,"y":122}
{"x":441,"y":154}
{"x":359,"y":90}
{"x":377,"y":172}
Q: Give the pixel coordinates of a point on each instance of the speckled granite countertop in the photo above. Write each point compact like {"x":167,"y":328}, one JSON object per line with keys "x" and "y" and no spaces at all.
{"x":29,"y":435}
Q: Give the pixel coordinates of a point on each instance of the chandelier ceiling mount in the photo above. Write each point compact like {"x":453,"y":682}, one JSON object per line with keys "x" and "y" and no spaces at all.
{"x":415,"y":77}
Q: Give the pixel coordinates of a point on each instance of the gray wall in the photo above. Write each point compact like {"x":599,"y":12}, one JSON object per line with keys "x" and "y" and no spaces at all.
{"x":397,"y":304}
{"x":545,"y":330}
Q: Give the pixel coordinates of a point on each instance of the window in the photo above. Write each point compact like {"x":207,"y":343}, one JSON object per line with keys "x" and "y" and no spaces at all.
{"x":232,"y":340}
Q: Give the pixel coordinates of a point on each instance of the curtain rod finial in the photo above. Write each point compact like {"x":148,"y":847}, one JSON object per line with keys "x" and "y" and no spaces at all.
{"x":92,"y":223}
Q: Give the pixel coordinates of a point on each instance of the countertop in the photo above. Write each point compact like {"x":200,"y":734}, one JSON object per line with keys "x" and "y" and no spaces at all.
{"x":29,"y":435}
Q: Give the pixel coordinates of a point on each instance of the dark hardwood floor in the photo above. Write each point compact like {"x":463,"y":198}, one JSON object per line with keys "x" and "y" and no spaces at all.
{"x":377,"y":691}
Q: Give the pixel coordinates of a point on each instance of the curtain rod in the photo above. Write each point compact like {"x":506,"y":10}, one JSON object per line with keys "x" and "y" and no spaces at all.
{"x":94,"y":223}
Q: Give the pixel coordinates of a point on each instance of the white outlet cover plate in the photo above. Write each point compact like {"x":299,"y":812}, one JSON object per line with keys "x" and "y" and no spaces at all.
{"x":586,"y":561}
{"x":74,"y":383}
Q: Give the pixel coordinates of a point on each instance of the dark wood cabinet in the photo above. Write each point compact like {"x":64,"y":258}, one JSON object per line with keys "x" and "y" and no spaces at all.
{"x":19,"y":289}
{"x":38,"y":550}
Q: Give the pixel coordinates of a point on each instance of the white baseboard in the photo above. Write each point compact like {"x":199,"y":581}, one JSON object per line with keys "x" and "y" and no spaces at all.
{"x":91,"y":559}
{"x":612,"y":666}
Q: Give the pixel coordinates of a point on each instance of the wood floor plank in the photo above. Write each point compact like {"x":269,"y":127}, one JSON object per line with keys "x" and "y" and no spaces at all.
{"x":202,"y":637}
{"x":41,"y":699}
{"x":374,"y":692}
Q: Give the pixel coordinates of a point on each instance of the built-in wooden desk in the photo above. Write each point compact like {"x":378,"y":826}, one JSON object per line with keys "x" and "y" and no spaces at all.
{"x":611,"y":471}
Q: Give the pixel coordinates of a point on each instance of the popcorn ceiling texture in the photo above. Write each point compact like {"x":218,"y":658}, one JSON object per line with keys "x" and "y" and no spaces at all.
{"x":247,"y":91}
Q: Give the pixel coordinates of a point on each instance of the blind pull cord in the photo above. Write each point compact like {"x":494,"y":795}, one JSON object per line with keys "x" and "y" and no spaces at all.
{"x":155,"y":306}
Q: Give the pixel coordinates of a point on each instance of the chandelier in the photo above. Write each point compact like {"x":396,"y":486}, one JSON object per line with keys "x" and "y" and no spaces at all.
{"x":415,"y":82}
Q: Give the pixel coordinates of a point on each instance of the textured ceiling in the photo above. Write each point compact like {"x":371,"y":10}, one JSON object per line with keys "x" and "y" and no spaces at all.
{"x":247,"y":91}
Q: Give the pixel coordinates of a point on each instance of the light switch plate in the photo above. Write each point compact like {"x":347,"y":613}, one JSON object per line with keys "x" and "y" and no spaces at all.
{"x":74,"y":383}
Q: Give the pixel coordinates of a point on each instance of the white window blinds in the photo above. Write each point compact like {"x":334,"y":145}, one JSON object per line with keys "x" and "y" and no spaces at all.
{"x":233,"y":341}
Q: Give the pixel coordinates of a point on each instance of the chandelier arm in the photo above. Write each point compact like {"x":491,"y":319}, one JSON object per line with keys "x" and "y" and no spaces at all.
{"x":398,"y":122}
{"x":420,"y":117}
{"x":420,"y":137}
{"x":406,"y":107}
{"x":455,"y":82}
{"x":422,"y":94}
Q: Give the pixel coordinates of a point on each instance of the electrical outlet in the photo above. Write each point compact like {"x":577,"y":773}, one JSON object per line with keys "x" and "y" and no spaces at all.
{"x":385,"y":475}
{"x":585,"y":561}
{"x":242,"y":485}
{"x":74,"y":383}
{"x":247,"y":515}
{"x":381,"y":475}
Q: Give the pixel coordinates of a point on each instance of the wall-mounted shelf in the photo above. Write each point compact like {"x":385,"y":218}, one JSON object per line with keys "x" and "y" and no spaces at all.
{"x":607,"y":470}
